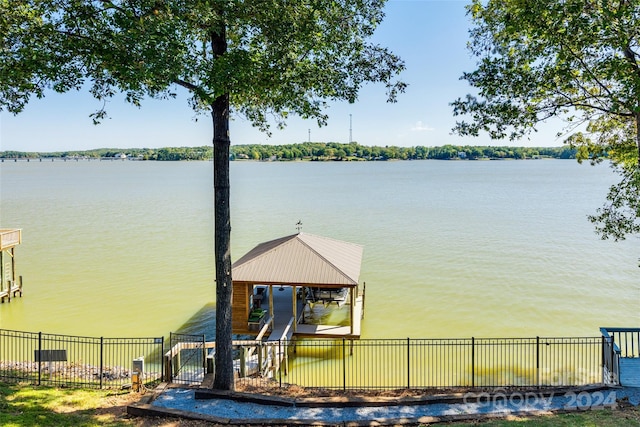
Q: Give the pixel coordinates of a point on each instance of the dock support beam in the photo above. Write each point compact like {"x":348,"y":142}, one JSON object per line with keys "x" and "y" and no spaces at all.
{"x":10,"y":284}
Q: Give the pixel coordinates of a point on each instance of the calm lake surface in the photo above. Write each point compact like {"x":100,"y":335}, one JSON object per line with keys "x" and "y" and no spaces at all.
{"x":452,"y":249}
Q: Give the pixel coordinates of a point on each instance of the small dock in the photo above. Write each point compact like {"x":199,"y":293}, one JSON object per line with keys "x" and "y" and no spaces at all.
{"x":10,"y":282}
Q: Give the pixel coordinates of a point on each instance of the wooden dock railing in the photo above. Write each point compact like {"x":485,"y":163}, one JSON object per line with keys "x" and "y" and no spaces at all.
{"x":255,"y":357}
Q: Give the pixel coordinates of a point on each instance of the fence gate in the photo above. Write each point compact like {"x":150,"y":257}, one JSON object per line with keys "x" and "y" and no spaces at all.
{"x":186,"y":358}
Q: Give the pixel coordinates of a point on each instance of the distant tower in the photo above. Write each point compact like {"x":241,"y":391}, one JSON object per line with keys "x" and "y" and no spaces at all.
{"x":309,"y":135}
{"x":350,"y":130}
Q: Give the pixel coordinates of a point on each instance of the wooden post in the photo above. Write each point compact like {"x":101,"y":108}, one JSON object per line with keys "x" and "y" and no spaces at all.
{"x":352,"y":292}
{"x":295,"y":308}
{"x":1,"y":275}
{"x":13,"y":265}
{"x":285,"y":359}
{"x":175,"y":360}
{"x":274,"y":354}
{"x":364,"y":291}
{"x":168,"y":368}
{"x":243,"y":362}
{"x":271,"y":309}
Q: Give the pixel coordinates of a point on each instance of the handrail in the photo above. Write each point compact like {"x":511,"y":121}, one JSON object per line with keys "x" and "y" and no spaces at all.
{"x":608,"y":329}
{"x":258,"y":339}
{"x":285,"y":332}
{"x":611,"y":337}
{"x":627,"y":344}
{"x":605,"y":333}
{"x":264,"y":329}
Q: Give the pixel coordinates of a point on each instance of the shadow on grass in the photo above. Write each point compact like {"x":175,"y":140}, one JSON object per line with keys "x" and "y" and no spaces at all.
{"x":26,"y":405}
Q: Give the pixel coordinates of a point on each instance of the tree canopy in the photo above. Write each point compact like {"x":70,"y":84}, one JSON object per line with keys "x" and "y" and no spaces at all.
{"x":260,"y":59}
{"x":281,"y":58}
{"x":577,"y":60}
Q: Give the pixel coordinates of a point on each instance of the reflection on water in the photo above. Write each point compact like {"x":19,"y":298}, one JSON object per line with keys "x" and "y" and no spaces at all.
{"x":327,"y":314}
{"x":395,"y":364}
{"x":203,"y":322}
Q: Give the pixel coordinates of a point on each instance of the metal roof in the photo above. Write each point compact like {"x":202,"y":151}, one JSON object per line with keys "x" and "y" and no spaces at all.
{"x":301,"y":259}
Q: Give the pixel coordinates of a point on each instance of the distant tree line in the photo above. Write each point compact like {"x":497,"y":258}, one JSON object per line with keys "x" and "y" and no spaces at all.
{"x":315,"y":151}
{"x":335,"y":151}
{"x":160,"y":154}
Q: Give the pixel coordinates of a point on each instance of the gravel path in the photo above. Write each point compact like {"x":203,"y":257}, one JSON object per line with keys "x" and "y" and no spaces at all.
{"x":518,"y":403}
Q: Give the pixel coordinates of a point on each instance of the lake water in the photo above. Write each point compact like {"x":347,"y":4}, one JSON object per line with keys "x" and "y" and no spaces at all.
{"x":452,"y":249}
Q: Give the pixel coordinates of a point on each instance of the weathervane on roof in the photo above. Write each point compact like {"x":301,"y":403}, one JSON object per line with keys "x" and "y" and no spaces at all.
{"x":299,"y":225}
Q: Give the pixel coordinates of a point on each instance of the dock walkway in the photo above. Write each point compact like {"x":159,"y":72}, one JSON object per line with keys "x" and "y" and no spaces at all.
{"x":282,"y":310}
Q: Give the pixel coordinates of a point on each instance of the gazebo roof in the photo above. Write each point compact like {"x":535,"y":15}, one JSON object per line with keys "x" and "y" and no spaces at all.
{"x":301,"y":259}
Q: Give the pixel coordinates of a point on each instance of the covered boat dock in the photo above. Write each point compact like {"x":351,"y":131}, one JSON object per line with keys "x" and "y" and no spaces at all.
{"x":293,"y":285}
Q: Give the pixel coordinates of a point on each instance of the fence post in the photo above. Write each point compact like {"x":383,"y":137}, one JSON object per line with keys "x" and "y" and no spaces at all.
{"x":163,"y":366}
{"x":604,"y":362}
{"x":473,"y":362}
{"x":39,"y":359}
{"x":538,"y":361}
{"x":204,"y":353}
{"x":408,"y":363}
{"x":169,"y":363}
{"x":101,"y":361}
{"x":615,"y":371}
{"x":278,"y":359}
{"x":344,"y":366}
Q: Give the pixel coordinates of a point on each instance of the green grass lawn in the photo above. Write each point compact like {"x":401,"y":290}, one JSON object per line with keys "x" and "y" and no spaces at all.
{"x":629,"y":417}
{"x":26,"y":405}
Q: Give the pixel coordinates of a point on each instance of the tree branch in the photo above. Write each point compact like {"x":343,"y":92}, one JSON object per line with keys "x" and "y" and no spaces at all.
{"x":586,"y":68}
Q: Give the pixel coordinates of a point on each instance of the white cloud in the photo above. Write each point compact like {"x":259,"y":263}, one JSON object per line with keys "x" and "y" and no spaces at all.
{"x":421,"y":127}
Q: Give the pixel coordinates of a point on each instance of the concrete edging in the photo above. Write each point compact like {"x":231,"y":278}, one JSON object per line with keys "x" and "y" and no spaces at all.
{"x":354,"y":401}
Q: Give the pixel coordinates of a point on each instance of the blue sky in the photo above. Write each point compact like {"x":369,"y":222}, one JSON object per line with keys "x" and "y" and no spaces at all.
{"x":429,"y":35}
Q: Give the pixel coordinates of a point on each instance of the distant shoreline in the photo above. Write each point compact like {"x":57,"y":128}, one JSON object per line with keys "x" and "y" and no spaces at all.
{"x":308,"y":151}
{"x":93,"y":159}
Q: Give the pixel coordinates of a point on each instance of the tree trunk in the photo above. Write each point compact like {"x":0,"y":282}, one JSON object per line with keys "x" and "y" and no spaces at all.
{"x":222,"y":238}
{"x":221,"y":142}
{"x":637,"y":116}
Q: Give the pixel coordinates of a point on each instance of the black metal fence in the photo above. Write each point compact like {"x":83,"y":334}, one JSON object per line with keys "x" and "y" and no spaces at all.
{"x":72,"y":361}
{"x":62,"y":360}
{"x":444,"y":363}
